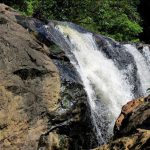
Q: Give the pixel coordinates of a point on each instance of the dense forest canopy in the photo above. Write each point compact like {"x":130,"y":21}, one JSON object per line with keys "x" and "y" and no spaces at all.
{"x":118,"y":19}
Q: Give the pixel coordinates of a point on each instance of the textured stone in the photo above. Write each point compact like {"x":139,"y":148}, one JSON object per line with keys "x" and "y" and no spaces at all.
{"x":29,"y":85}
{"x":40,"y":108}
{"x":137,"y":141}
{"x":134,"y":114}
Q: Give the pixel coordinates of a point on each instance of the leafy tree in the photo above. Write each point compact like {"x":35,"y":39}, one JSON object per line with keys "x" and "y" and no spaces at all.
{"x":118,"y":19}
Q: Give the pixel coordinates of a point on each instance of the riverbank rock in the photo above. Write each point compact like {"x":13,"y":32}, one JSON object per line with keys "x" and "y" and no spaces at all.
{"x":132,"y":128}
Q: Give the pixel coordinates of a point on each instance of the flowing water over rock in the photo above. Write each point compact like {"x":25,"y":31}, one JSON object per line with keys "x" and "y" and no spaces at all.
{"x":112,"y":73}
{"x":142,"y":63}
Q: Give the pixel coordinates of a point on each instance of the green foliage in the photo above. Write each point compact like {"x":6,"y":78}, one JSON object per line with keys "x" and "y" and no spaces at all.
{"x":117,"y":19}
{"x":29,"y":4}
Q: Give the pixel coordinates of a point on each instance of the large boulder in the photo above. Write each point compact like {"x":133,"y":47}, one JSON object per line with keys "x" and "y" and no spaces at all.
{"x":132,"y":128}
{"x":135,"y":114}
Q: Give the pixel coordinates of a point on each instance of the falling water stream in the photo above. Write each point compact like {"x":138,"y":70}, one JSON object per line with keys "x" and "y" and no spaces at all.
{"x":112,"y":74}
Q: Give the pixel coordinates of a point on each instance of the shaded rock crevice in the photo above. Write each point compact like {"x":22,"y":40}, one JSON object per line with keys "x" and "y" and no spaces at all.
{"x":31,"y":73}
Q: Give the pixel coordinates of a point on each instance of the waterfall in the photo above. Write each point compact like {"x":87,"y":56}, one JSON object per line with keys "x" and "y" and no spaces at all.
{"x":112,"y":73}
{"x":142,"y":65}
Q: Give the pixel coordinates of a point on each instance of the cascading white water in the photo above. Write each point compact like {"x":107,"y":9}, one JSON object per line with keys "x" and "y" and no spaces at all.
{"x":108,"y":87}
{"x":142,"y":66}
{"x":100,"y":76}
{"x":146,"y":54}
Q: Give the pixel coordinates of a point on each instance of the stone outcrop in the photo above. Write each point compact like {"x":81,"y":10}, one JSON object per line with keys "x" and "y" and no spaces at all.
{"x":132,"y":128}
{"x":40,"y":107}
{"x":29,"y":85}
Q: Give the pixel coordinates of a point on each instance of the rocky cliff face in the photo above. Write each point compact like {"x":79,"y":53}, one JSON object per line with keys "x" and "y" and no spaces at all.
{"x":40,"y":107}
{"x":132,"y":128}
{"x":29,"y":85}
